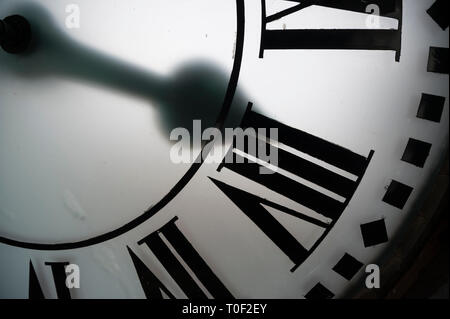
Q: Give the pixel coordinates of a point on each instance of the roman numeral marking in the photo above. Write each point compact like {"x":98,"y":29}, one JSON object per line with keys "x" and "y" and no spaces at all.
{"x":59,"y":277}
{"x":333,"y":39}
{"x":252,"y":205}
{"x":152,"y":285}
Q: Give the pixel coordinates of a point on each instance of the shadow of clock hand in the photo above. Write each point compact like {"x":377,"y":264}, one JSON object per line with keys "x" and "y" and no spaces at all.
{"x":195,"y":91}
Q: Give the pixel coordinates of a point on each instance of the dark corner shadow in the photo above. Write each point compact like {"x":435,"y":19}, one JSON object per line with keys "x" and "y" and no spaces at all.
{"x":195,"y":91}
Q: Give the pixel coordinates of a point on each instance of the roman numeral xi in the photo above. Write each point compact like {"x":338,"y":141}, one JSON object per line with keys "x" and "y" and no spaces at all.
{"x":252,"y":205}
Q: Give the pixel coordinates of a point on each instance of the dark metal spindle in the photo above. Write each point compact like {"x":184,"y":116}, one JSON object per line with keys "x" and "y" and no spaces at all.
{"x":15,"y":34}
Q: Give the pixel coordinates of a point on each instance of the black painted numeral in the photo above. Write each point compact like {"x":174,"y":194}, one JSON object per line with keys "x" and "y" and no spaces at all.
{"x":152,"y":285}
{"x":252,"y":205}
{"x":334,"y":39}
{"x":59,"y":277}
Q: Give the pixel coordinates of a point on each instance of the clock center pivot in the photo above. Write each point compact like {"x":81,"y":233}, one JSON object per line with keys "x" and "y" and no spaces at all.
{"x":15,"y":34}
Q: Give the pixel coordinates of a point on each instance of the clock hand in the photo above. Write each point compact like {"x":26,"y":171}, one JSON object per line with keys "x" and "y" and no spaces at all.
{"x":195,"y":91}
{"x":2,"y":30}
{"x":52,"y":52}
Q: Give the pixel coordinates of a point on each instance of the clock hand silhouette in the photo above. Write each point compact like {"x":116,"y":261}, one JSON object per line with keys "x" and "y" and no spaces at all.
{"x":196,"y":91}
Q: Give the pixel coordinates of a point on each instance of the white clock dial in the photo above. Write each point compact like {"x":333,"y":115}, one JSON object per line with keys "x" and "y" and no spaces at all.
{"x":356,"y":92}
{"x":100,"y":155}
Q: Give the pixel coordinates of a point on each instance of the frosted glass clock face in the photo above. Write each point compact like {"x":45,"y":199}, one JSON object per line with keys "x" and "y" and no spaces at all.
{"x":98,"y":153}
{"x":356,"y":92}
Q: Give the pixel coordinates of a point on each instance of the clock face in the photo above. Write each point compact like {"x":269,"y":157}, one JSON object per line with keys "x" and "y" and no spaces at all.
{"x":112,"y":161}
